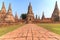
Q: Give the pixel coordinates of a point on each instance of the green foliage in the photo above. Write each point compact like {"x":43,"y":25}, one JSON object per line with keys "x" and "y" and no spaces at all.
{"x":52,"y":27}
{"x":23,"y":16}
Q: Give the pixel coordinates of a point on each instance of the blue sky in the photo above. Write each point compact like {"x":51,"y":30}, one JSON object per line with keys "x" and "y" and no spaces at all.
{"x":21,"y":6}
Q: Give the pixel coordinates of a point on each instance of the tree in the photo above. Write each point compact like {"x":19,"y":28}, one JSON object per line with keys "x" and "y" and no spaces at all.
{"x":23,"y":16}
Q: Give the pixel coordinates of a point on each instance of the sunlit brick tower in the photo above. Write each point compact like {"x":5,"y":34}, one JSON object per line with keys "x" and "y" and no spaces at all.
{"x":30,"y":15}
{"x":2,"y":12}
{"x":9,"y":17}
{"x":43,"y":16}
{"x":16,"y":17}
{"x":55,"y":14}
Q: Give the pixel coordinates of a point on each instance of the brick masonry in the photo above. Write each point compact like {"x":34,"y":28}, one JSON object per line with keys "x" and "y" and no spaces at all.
{"x":30,"y":32}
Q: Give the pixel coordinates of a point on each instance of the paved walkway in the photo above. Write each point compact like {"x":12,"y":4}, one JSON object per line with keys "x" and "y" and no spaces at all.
{"x":30,"y":32}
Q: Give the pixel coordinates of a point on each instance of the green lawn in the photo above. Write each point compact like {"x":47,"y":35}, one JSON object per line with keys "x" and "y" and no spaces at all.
{"x":51,"y":27}
{"x":6,"y":29}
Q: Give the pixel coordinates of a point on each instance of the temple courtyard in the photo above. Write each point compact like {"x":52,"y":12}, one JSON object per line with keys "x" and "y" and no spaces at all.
{"x":30,"y":32}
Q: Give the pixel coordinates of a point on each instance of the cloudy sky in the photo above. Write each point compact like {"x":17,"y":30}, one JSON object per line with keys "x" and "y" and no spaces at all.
{"x":21,"y":6}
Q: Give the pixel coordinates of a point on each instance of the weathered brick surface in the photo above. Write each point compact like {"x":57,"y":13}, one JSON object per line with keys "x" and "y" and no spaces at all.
{"x":30,"y":32}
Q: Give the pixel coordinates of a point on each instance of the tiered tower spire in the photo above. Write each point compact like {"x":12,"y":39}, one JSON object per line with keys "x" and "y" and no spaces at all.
{"x":30,"y":8}
{"x":36,"y":16}
{"x":16,"y":17}
{"x":56,"y":6}
{"x":43,"y":16}
{"x":3,"y":10}
{"x":10,"y":9}
{"x":30,"y":15}
{"x":9,"y":17}
{"x":55,"y":15}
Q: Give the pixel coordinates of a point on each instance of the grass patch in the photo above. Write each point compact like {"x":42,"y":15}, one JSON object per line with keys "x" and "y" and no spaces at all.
{"x":6,"y":29}
{"x":52,"y":27}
